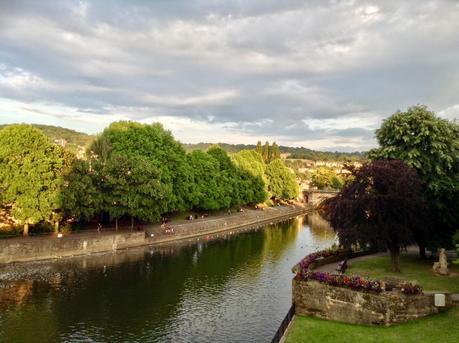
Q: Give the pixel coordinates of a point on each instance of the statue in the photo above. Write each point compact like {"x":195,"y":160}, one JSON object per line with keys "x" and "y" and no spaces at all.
{"x":441,"y":267}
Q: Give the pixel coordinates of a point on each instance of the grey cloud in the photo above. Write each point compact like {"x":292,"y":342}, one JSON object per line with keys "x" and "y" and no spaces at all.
{"x":263,"y":66}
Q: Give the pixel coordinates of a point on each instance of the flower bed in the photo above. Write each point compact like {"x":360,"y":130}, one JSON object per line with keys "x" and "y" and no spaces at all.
{"x":304,"y":271}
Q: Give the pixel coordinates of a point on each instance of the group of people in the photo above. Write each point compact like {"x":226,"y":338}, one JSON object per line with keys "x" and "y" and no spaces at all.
{"x":167,"y":228}
{"x":191,"y":217}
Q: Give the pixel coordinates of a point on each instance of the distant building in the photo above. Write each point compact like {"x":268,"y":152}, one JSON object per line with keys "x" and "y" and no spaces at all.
{"x":61,"y":141}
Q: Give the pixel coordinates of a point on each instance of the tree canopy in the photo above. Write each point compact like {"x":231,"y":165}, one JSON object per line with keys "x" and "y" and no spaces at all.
{"x":326,"y":178}
{"x":381,"y":205}
{"x":430,"y":145}
{"x":31,"y":174}
{"x":281,"y":180}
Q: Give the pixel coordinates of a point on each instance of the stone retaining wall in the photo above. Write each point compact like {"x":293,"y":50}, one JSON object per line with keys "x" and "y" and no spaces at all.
{"x":22,"y":249}
{"x":247,"y":219}
{"x":358,"y":307}
{"x":39,"y":248}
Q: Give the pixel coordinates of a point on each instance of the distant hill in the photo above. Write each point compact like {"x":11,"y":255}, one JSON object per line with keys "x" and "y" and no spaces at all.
{"x":72,"y":137}
{"x":295,"y":152}
{"x":75,"y":139}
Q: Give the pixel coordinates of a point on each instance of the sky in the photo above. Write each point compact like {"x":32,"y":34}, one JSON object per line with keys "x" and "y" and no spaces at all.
{"x":320,"y":74}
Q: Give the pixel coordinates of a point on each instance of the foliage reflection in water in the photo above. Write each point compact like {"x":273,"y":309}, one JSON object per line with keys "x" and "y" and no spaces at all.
{"x":233,"y":289}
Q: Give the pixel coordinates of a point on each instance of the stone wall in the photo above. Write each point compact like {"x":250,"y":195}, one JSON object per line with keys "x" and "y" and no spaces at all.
{"x":22,"y":249}
{"x":39,"y":248}
{"x":357,"y":307}
{"x":247,"y":219}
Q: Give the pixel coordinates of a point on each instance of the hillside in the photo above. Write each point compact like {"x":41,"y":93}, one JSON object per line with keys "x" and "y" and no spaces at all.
{"x":295,"y":152}
{"x":75,"y":139}
{"x":72,"y":137}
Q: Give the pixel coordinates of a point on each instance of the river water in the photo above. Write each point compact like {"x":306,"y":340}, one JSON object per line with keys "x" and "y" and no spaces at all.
{"x":236,"y":288}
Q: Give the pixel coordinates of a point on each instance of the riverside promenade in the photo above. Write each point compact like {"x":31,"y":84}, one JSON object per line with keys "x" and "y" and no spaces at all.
{"x":24,"y":249}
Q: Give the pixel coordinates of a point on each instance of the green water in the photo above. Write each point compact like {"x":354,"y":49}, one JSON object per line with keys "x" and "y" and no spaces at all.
{"x":236,"y":288}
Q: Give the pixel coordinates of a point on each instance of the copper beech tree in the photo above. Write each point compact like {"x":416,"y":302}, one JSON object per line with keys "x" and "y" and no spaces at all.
{"x":381,"y":206}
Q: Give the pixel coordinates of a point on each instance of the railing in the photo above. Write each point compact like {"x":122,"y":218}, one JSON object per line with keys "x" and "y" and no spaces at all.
{"x":284,"y":325}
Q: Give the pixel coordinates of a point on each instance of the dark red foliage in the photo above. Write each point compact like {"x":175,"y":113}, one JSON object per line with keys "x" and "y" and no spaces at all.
{"x":381,"y":206}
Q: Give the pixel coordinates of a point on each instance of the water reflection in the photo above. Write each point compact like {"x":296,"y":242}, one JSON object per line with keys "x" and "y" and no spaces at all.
{"x":235,"y":288}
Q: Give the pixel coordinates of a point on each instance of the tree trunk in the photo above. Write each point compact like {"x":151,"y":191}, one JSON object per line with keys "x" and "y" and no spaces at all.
{"x":422,"y":251}
{"x":395,"y":260}
{"x":116,"y":224}
{"x":132,"y":223}
{"x":56,"y":227}
{"x":25,"y":232}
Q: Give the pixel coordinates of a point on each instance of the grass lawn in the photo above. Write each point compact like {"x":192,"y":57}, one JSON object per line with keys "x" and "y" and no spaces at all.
{"x":412,"y":269}
{"x":442,"y":328}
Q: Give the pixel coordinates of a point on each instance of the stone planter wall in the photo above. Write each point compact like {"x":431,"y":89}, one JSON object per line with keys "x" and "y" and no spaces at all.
{"x":357,"y":307}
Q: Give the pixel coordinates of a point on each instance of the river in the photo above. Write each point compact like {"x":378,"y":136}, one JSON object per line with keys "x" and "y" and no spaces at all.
{"x":236,"y":288}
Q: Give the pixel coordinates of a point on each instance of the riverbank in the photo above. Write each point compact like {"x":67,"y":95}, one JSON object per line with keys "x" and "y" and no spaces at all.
{"x":23,"y":249}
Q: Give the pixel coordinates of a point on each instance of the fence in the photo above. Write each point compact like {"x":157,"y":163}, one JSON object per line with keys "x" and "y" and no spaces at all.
{"x":284,"y":325}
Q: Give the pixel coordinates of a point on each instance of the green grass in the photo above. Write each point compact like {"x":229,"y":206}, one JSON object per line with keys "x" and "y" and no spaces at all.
{"x":412,"y":269}
{"x":442,"y":327}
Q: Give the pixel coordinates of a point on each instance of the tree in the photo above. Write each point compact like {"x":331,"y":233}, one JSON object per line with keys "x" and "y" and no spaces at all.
{"x":80,"y":197}
{"x":324,"y":177}
{"x":266,"y":152}
{"x":133,"y":187}
{"x":281,"y":180}
{"x":431,"y":146}
{"x":275,"y":152}
{"x":250,"y":161}
{"x":31,"y":174}
{"x":208,"y":189}
{"x":155,"y":147}
{"x":259,"y":148}
{"x":381,"y":205}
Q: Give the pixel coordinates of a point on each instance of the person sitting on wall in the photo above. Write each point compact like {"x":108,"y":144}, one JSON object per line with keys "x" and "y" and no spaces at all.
{"x":342,"y":266}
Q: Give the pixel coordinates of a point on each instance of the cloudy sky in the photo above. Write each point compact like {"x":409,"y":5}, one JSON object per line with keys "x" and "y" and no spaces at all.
{"x":320,"y":74}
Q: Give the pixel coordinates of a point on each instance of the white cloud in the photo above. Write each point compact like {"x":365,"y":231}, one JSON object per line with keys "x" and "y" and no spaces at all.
{"x":311,"y":72}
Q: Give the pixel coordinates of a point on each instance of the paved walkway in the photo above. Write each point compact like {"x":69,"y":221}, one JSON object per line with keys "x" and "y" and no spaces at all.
{"x":412,"y":250}
{"x":331,"y":268}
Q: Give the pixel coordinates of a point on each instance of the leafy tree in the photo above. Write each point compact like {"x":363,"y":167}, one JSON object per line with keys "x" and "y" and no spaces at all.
{"x":282,"y":182}
{"x":266,"y":152}
{"x":153,"y":145}
{"x":259,"y":148}
{"x":275,"y":151}
{"x":431,"y":146}
{"x":381,"y":205}
{"x":133,"y":187}
{"x":229,"y":177}
{"x":208,"y":188}
{"x":80,"y":197}
{"x":31,"y":170}
{"x":250,"y":161}
{"x":324,"y":177}
{"x":240,"y":186}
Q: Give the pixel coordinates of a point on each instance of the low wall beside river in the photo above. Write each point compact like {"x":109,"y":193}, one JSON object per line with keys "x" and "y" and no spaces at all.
{"x":358,"y":307}
{"x":23,"y":249}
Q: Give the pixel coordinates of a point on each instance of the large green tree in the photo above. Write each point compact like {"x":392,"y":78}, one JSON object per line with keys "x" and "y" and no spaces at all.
{"x":31,"y":174}
{"x":208,"y":191}
{"x":430,"y":145}
{"x":81,"y":198}
{"x":133,"y":187}
{"x":155,"y":146}
{"x":281,"y":180}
